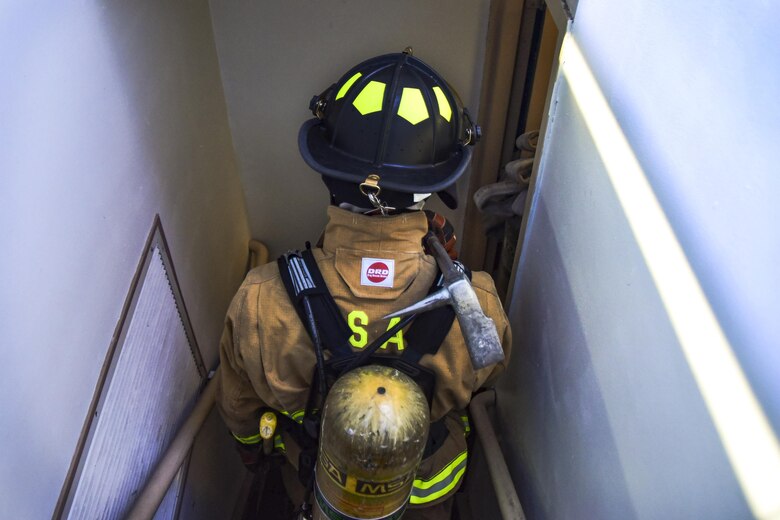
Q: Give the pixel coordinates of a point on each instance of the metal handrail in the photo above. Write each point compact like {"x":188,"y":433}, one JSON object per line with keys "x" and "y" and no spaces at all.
{"x":156,"y":487}
{"x":153,"y":493}
{"x":258,"y":253}
{"x":508,"y":501}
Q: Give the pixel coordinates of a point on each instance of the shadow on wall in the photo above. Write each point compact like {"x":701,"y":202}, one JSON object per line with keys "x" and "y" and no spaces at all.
{"x":554,"y":422}
{"x":117,"y":114}
{"x":167,"y":63}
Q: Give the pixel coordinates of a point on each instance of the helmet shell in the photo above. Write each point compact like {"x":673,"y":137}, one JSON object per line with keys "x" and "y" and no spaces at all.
{"x":374,"y":429}
{"x":392,"y":116}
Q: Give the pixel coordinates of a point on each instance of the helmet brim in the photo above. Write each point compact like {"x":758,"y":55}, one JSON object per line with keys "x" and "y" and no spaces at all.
{"x":324,"y":159}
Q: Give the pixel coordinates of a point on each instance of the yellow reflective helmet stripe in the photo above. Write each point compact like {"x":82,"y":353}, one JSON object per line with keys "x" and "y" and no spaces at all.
{"x":252,"y":439}
{"x":445,"y":110}
{"x":370,"y":98}
{"x":425,"y":491}
{"x":345,"y":87}
{"x":412,"y":106}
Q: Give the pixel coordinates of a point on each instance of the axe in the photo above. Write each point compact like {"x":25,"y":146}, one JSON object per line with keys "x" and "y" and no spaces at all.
{"x":478,"y":330}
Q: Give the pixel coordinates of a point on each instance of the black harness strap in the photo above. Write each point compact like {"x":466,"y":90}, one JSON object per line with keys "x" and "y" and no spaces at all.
{"x":332,"y":326}
{"x":424,"y":336}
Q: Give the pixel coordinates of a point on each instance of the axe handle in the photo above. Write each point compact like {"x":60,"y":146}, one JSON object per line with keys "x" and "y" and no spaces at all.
{"x":448,"y":269}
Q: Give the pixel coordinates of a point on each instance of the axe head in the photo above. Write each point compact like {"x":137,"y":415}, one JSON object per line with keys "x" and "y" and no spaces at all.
{"x":478,"y":330}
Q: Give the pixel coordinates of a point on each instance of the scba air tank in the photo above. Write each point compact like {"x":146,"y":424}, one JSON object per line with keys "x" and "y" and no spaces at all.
{"x":374,"y":428}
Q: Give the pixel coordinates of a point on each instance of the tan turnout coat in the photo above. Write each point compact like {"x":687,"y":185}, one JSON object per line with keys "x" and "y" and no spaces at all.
{"x":267,"y":358}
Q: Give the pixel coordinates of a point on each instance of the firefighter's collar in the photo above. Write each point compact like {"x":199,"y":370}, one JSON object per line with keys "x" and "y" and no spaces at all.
{"x":401,"y":233}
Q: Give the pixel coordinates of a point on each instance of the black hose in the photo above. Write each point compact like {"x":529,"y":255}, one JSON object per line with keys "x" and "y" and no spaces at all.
{"x":315,"y":336}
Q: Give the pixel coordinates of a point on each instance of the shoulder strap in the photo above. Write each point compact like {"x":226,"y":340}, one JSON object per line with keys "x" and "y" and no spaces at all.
{"x":332,"y":326}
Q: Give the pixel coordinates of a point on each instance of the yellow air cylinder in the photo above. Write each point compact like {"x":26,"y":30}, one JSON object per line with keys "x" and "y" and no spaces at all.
{"x":374,"y":428}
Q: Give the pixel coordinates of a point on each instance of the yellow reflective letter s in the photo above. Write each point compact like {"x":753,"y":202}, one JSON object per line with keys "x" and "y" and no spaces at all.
{"x":359,"y":337}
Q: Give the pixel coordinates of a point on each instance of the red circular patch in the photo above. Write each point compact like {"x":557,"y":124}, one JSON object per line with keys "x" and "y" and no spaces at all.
{"x":377,"y":272}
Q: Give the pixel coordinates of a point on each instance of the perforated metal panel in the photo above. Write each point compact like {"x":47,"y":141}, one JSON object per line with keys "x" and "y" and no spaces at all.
{"x":152,"y":383}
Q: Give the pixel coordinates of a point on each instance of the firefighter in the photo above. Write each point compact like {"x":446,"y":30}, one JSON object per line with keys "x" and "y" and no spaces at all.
{"x":389,"y":134}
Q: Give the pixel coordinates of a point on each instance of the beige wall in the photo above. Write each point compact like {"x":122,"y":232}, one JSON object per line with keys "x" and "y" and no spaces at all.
{"x":274,"y":56}
{"x":109,"y":114}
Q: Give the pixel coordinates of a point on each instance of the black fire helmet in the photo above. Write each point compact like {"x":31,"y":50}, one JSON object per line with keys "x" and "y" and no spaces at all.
{"x":394,"y":118}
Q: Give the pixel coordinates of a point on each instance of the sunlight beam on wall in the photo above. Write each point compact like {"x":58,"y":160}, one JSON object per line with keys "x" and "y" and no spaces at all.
{"x":750,"y":444}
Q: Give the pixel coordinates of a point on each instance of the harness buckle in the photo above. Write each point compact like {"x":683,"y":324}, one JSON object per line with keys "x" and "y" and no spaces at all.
{"x":371,"y":189}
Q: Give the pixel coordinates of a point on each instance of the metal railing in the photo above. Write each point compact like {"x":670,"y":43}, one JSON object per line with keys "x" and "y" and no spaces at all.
{"x":157,"y":486}
{"x":508,"y":501}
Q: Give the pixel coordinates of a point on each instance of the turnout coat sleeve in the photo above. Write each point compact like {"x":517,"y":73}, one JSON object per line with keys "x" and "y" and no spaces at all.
{"x":266,"y":357}
{"x":239,"y":403}
{"x":242,"y":395}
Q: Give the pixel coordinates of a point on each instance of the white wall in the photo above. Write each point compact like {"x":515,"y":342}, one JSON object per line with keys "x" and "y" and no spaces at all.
{"x":644,"y":382}
{"x":109,"y":113}
{"x":274,"y":56}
